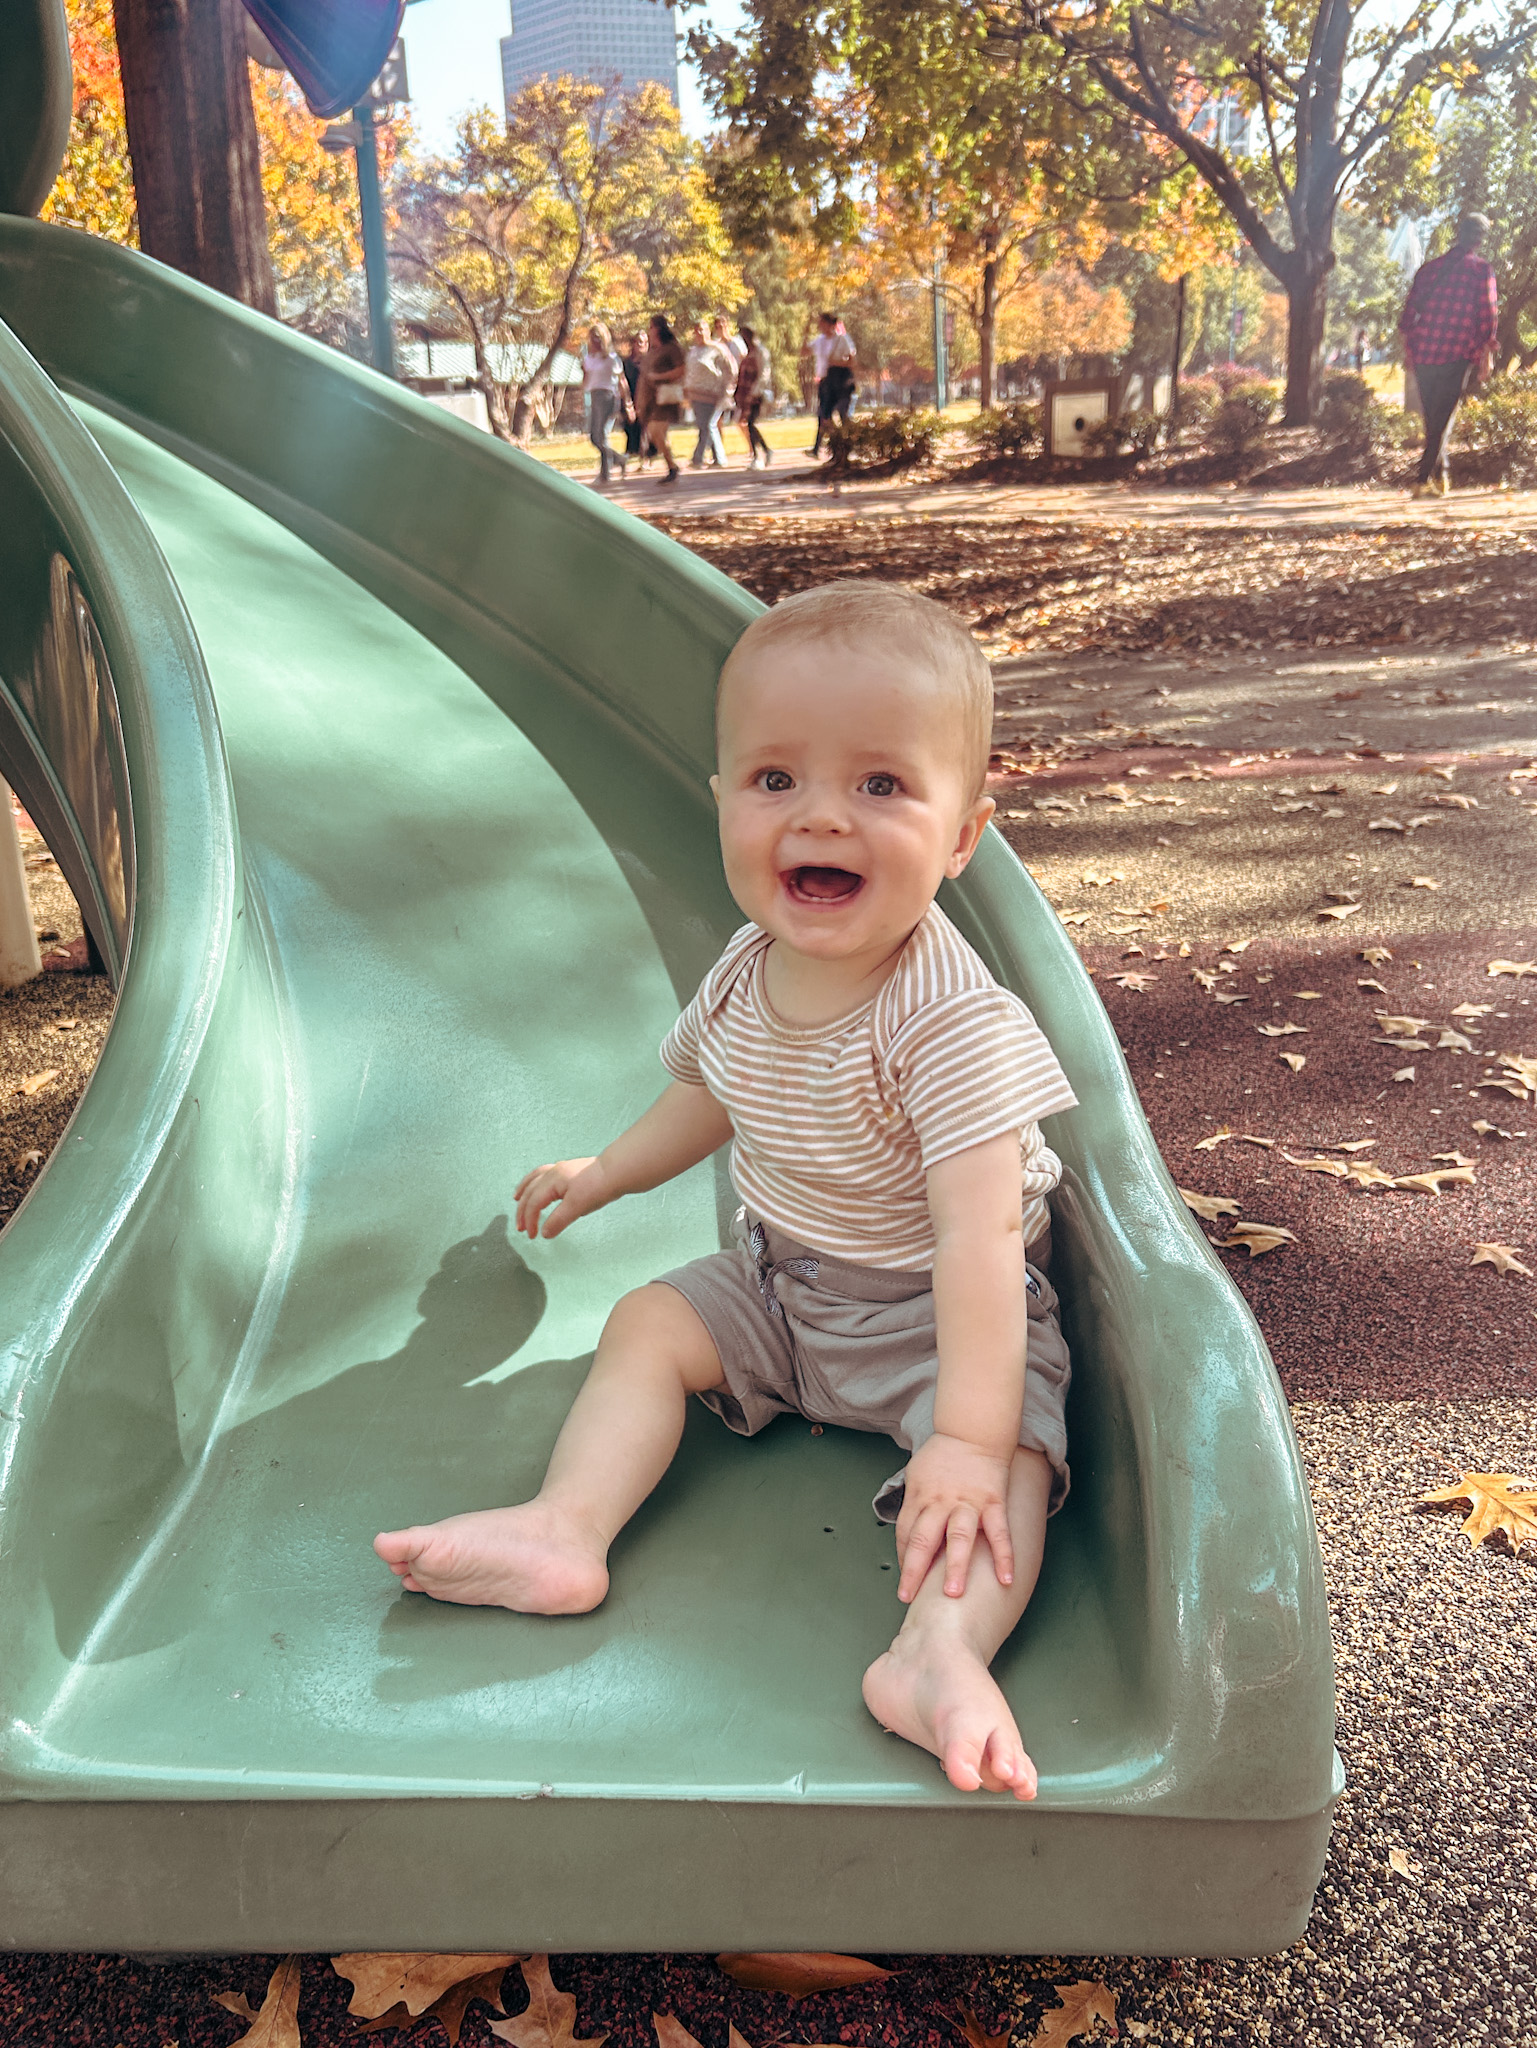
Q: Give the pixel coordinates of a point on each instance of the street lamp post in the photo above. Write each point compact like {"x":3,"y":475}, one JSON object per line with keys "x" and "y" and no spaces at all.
{"x":381,"y":333}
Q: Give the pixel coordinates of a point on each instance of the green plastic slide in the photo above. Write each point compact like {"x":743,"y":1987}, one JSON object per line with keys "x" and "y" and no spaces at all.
{"x":377,"y":757}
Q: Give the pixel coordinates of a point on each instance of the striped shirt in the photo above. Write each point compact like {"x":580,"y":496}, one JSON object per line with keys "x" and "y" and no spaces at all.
{"x":835,"y":1125}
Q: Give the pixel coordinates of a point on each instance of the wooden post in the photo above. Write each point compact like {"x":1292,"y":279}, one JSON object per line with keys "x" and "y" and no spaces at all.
{"x":192,"y":138}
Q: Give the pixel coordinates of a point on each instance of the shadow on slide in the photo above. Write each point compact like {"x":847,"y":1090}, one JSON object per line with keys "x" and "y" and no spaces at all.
{"x":377,"y":757}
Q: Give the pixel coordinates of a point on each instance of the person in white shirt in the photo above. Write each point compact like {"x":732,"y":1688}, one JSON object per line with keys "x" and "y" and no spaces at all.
{"x":602,"y":382}
{"x":708,"y":377}
{"x":833,"y":352}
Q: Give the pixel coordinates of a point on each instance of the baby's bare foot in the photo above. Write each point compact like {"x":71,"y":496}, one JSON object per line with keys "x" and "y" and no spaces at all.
{"x":533,"y":1559}
{"x":932,"y":1687}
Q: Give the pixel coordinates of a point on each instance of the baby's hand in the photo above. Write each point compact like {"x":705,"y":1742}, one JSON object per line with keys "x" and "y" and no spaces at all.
{"x":955,"y":1490}
{"x":578,"y":1186}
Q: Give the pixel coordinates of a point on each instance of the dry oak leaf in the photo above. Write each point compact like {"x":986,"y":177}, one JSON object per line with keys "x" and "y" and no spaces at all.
{"x":799,"y":1976}
{"x":1340,"y":910}
{"x":1519,"y":968}
{"x":1472,"y":1010}
{"x":1228,"y":996}
{"x":1375,"y":985}
{"x":1135,"y":982}
{"x":549,"y":2018}
{"x":34,"y":1084}
{"x":1238,"y":945}
{"x":1500,"y":1502}
{"x":1306,"y":995}
{"x":1401,"y":1027}
{"x":1432,"y":1183}
{"x":1454,"y":1041}
{"x":1279,"y":1030}
{"x":1074,"y":916}
{"x":1254,"y":1238}
{"x":1335,"y":1167}
{"x":410,"y":1978}
{"x":1501,"y":1256}
{"x":449,"y":2010}
{"x":1211,"y":1207}
{"x":1361,"y":1173}
{"x":1405,"y":1044}
{"x":1398,"y":1861}
{"x":1205,"y":977}
{"x":277,"y":2023}
{"x":1081,"y":2005}
{"x":1485,"y":1129}
{"x":1375,"y":956}
{"x":1404,"y":1074}
{"x":1520,"y":1065}
{"x":1453,"y":1158}
{"x":1295,"y":1060}
{"x":237,"y":2003}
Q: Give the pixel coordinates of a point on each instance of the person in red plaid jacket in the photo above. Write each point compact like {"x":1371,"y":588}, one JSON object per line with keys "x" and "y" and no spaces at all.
{"x":1448,"y":324}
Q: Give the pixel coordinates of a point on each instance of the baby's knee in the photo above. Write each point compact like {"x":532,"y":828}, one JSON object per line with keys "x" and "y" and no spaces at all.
{"x":657,"y":1322}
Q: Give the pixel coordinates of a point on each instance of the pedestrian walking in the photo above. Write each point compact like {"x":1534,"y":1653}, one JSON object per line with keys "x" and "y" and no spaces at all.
{"x":661,"y":386}
{"x":602,"y":382}
{"x":636,"y":447}
{"x":833,"y":354}
{"x":1449,"y":322}
{"x":708,"y":376}
{"x":754,"y":387}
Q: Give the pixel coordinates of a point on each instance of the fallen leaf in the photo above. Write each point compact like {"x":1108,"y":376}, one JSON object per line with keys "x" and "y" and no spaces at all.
{"x":1432,"y":1183}
{"x":1454,"y":1041}
{"x":1306,"y":995}
{"x":1094,"y":879}
{"x":1518,"y":1064}
{"x":1377,"y":985}
{"x":27,"y":1162}
{"x":1135,"y":982}
{"x":1384,"y":789}
{"x":34,"y":1084}
{"x":1485,"y":1129}
{"x":1363,"y":1173}
{"x":800,"y":1976}
{"x":1075,"y":916}
{"x":1399,"y":1861}
{"x":1266,"y":1144}
{"x":1472,"y":1009}
{"x":1217,"y":1138}
{"x":1400,"y":1027}
{"x":1502,"y":1257}
{"x":410,"y":1978}
{"x":1519,"y":968}
{"x":1335,"y":1167}
{"x":671,"y":2033}
{"x":1210,"y":1206}
{"x":1500,"y":1503}
{"x":1350,"y":1145}
{"x":1404,"y":1074}
{"x":1205,"y":977}
{"x":237,"y":2003}
{"x":1422,"y":882}
{"x":1405,"y":1044}
{"x":1340,"y":910}
{"x":1386,"y":825}
{"x":1445,"y":774}
{"x":1280,"y":1030}
{"x":1508,"y":1087}
{"x":1080,"y":2005}
{"x":975,"y":2035}
{"x":1254,"y":1238}
{"x":1184,"y":949}
{"x":1453,"y":1158}
{"x":277,"y":2024}
{"x":1238,"y":945}
{"x":1456,"y":803}
{"x":1228,"y":997}
{"x":65,"y":1024}
{"x":1374,"y":956}
{"x":549,"y":2018}
{"x":1295,"y":1060}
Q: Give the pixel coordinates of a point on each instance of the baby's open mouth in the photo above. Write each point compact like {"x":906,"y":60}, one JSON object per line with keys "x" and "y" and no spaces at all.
{"x":822,"y":885}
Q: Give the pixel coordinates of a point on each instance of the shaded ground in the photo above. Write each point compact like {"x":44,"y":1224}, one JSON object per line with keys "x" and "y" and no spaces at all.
{"x":1238,"y":790}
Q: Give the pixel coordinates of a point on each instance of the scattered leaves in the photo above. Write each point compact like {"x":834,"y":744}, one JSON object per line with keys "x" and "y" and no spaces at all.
{"x":1521,"y":969}
{"x":1364,"y":1173}
{"x":1080,"y":2005}
{"x":1472,"y":1009}
{"x":1211,"y":1207}
{"x":1502,"y":1257}
{"x":1485,"y":1129}
{"x":1254,"y":1238}
{"x":1501,"y":1504}
{"x":277,"y":2023}
{"x":800,"y":1976}
{"x":549,"y":2018}
{"x":1094,"y":878}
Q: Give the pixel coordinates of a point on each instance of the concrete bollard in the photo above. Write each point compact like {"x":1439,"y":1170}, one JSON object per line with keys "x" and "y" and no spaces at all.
{"x":19,"y":957}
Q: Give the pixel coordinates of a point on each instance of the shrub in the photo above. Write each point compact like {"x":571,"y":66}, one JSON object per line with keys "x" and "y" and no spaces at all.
{"x":1351,"y":414}
{"x":1502,"y":423}
{"x":1199,"y":398}
{"x":1125,"y":433}
{"x":1237,"y":427}
{"x":1005,"y":430}
{"x":885,"y":440}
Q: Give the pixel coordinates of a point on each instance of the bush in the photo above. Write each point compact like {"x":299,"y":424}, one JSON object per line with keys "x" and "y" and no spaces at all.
{"x":1199,"y":398}
{"x":1351,"y":414}
{"x":1125,"y":433}
{"x":885,"y":440}
{"x":1237,"y":427}
{"x":1502,"y":424}
{"x":1005,"y":431}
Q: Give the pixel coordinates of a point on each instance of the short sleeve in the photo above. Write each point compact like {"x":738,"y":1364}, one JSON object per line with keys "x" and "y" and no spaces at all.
{"x":972,"y":1066}
{"x":680,"y":1048}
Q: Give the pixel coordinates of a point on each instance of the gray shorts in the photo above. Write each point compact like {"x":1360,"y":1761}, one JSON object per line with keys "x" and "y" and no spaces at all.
{"x":801,"y":1334}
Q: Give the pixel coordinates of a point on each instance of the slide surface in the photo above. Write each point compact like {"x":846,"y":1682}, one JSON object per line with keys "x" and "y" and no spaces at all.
{"x":381,"y":756}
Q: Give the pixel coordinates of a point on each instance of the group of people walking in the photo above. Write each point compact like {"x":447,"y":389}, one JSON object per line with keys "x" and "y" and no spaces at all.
{"x":715,"y":378}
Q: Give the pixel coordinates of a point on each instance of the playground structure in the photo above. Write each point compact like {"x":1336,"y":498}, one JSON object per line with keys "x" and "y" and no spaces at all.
{"x":376,"y":757}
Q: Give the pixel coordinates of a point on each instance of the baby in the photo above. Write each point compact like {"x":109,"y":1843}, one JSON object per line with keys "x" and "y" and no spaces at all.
{"x":883,"y":1098}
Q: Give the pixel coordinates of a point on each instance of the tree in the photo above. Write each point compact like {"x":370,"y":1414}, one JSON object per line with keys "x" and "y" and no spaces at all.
{"x":588,"y":205}
{"x":1488,"y":164}
{"x":904,"y":120}
{"x":1337,"y":90}
{"x":94,"y":190}
{"x":192,"y":138}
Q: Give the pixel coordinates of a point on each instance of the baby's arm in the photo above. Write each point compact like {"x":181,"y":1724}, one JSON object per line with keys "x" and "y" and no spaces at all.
{"x":684,"y":1125}
{"x":958,"y":1482}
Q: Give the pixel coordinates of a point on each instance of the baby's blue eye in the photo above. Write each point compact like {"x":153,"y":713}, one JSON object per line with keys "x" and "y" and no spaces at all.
{"x":880,"y":785}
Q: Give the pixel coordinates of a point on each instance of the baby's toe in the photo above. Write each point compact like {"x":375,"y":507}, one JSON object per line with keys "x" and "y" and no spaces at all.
{"x":1006,"y":1768}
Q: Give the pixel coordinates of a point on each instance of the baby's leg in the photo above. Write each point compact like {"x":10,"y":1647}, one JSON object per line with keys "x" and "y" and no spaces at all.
{"x":549,"y":1556}
{"x":934,"y":1686}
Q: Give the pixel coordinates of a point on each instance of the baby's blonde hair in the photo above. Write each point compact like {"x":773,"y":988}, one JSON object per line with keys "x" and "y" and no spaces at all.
{"x":861,"y":609}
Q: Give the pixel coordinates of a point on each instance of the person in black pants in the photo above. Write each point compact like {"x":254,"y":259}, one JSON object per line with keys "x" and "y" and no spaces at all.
{"x":1449,"y":323}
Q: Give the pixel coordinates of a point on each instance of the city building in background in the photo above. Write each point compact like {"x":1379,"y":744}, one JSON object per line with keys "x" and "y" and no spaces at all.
{"x":631,"y":40}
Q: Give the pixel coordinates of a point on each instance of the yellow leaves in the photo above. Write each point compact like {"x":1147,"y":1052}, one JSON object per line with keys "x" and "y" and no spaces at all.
{"x":1079,"y":2006}
{"x":549,"y":2019}
{"x":1500,"y":1505}
{"x":1254,"y":1238}
{"x":1502,"y":1257}
{"x":276,"y":2025}
{"x":1211,"y":1208}
{"x":799,"y":1975}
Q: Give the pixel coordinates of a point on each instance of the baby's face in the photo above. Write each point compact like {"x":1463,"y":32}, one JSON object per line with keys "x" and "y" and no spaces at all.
{"x":843,"y":798}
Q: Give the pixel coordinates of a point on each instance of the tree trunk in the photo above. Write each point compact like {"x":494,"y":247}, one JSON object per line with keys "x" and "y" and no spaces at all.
{"x":1179,"y":349}
{"x":192,"y":138}
{"x":987,"y":329}
{"x":1306,"y":299}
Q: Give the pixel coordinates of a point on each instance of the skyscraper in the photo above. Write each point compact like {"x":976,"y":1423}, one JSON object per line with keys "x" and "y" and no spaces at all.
{"x":632,"y":40}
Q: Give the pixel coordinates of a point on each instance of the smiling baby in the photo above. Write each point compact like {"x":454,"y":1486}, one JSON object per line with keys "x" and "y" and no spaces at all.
{"x":882,"y":1096}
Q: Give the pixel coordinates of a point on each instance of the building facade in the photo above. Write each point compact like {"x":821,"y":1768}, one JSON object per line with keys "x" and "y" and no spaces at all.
{"x":629,"y":40}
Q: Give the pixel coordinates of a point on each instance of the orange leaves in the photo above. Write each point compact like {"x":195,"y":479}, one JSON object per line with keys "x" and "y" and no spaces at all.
{"x":549,"y":2019}
{"x":1499,"y":1503}
{"x":800,"y":1976}
{"x":276,"y":2025}
{"x":400,"y":1989}
{"x":1080,"y":2006}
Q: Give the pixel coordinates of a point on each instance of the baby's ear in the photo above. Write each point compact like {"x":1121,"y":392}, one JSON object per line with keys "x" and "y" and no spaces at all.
{"x":967,"y":840}
{"x":715,"y":789}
